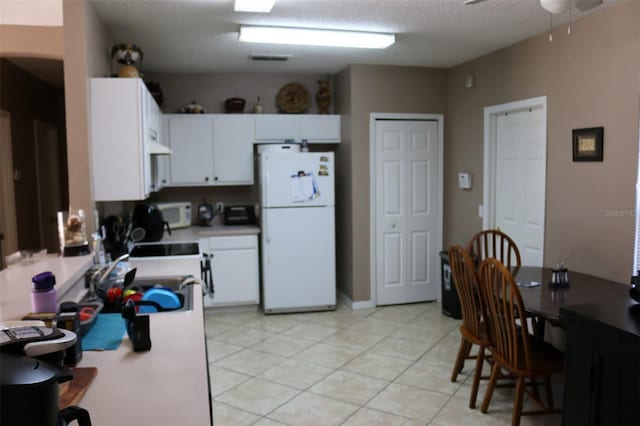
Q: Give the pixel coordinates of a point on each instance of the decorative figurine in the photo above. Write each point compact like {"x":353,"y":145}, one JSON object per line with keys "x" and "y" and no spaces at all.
{"x":257,"y":108}
{"x":127,"y":54}
{"x":323,"y":96}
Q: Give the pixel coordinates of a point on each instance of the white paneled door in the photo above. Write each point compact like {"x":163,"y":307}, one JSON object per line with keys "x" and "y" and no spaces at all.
{"x":406,"y":185}
{"x":520,"y":180}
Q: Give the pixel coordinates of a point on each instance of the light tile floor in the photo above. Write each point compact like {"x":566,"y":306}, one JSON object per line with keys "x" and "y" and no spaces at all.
{"x":383,"y":366}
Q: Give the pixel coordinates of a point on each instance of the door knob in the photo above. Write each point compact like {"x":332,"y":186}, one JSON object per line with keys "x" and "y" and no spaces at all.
{"x":393,"y":226}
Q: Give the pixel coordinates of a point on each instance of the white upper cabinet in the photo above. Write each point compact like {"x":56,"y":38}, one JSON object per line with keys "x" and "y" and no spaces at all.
{"x":276,"y":128}
{"x":315,"y":128}
{"x":160,"y":163}
{"x":211,"y":149}
{"x":233,"y":149}
{"x":124,"y":129}
{"x":191,"y":140}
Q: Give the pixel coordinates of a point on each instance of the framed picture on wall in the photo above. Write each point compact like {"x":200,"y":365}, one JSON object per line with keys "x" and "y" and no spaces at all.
{"x":587,"y":144}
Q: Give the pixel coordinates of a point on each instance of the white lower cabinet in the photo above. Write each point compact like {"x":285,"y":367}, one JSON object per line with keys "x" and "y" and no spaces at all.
{"x":234,"y":267}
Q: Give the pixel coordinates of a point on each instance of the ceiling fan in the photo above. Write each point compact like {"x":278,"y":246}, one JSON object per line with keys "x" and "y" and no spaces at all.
{"x":558,"y":6}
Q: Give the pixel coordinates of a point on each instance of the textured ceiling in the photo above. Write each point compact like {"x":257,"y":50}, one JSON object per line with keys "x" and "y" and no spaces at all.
{"x":198,"y":36}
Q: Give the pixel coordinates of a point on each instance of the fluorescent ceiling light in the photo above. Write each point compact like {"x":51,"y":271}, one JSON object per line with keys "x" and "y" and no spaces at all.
{"x":260,"y":6}
{"x":315,"y":37}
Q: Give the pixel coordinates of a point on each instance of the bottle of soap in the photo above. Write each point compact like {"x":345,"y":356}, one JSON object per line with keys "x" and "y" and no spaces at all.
{"x":43,"y":295}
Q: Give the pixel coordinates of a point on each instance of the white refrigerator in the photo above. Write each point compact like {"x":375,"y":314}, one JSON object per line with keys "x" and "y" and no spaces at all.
{"x":297,"y":221}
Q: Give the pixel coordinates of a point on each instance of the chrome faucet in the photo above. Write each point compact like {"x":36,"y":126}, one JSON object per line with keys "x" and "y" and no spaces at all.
{"x":98,"y":277}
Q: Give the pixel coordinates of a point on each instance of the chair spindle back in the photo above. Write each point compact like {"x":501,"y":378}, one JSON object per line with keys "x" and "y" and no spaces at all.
{"x":503,"y":306}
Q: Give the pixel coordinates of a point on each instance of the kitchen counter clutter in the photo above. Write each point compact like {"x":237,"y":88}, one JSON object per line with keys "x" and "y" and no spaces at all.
{"x":15,"y":282}
{"x":167,"y":385}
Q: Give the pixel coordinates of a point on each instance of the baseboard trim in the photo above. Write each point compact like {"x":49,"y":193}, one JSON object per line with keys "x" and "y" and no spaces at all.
{"x":364,"y":304}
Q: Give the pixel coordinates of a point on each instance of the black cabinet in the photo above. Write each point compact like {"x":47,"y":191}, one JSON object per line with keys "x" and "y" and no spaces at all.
{"x":602,"y":364}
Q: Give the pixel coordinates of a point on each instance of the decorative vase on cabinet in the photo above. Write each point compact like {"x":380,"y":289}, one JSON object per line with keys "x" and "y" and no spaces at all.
{"x":323,"y":96}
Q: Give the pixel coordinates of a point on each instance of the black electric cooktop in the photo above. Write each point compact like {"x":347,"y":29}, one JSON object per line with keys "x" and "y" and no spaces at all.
{"x":165,"y":249}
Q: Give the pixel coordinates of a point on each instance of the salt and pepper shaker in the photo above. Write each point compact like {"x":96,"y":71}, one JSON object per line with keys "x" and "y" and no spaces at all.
{"x":564,"y":275}
{"x":560,"y":275}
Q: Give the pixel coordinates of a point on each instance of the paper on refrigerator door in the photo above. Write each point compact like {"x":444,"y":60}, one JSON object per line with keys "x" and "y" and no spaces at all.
{"x":304,"y":187}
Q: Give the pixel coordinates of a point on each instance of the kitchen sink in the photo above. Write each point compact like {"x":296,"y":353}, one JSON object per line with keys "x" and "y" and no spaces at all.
{"x":181,"y":285}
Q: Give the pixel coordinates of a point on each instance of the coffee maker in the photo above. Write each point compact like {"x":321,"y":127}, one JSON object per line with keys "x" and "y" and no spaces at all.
{"x":31,"y":359}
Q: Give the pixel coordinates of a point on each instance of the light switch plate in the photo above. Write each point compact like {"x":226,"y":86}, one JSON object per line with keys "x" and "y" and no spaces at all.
{"x":464,"y":180}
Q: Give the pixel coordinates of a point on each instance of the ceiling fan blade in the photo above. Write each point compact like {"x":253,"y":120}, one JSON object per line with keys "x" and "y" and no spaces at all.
{"x":473,"y":1}
{"x":584,"y":5}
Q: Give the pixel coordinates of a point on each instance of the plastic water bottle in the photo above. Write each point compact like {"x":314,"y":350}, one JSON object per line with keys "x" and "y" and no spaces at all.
{"x":43,"y":295}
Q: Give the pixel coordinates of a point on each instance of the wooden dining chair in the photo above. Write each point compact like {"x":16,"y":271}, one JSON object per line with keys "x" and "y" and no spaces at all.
{"x":473,"y":329}
{"x":512,"y":347}
{"x":495,"y":243}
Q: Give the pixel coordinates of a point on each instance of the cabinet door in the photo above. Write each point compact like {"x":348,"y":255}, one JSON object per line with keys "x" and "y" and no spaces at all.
{"x":234,"y":266}
{"x":118,"y":154}
{"x":191,"y":140}
{"x":580,"y":374}
{"x":319,"y":128}
{"x":150,"y":135}
{"x":276,"y":128}
{"x":160,"y":163}
{"x":233,"y":149}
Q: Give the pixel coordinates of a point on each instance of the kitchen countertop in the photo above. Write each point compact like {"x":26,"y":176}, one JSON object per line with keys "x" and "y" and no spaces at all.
{"x":167,"y":385}
{"x":15,"y":281}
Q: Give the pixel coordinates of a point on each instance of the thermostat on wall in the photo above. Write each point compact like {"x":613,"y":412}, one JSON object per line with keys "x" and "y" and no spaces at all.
{"x":464,"y":180}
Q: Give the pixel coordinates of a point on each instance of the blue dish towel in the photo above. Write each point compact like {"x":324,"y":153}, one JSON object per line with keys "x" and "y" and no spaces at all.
{"x":106,"y":334}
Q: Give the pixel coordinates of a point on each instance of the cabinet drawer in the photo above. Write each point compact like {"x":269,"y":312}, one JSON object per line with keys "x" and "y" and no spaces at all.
{"x":233,"y":242}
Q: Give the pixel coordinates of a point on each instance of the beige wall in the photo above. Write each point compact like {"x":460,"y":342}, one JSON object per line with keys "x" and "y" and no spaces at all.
{"x":344,"y":210}
{"x":86,"y":44}
{"x":590,"y":79}
{"x":211,"y":90}
{"x":31,"y":41}
{"x":377,"y":89}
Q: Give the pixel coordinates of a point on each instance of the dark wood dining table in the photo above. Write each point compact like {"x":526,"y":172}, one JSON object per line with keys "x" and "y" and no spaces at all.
{"x":602,"y":351}
{"x":544,"y":301}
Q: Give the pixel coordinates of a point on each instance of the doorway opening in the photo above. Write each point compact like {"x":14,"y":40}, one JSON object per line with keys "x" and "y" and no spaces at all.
{"x":33,"y":102}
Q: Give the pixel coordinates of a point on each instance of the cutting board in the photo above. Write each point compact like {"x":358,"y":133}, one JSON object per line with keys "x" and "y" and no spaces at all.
{"x":72,"y":392}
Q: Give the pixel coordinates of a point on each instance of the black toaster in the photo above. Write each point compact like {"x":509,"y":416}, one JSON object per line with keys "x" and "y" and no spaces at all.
{"x":239,"y":215}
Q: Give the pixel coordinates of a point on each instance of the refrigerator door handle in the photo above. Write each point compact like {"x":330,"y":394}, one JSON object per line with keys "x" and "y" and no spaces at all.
{"x":267,"y":239}
{"x":265,"y":179}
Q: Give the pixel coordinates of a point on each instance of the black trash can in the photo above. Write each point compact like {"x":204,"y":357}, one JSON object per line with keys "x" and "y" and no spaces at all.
{"x":450,"y":300}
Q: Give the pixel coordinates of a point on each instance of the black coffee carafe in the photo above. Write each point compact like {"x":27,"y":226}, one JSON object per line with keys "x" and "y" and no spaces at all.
{"x":29,"y":393}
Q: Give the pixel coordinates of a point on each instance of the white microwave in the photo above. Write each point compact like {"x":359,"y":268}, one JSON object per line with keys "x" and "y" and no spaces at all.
{"x":177,"y":214}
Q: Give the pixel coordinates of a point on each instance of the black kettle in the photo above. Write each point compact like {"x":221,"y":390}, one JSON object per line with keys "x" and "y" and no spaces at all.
{"x":147,"y":224}
{"x":29,"y":393}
